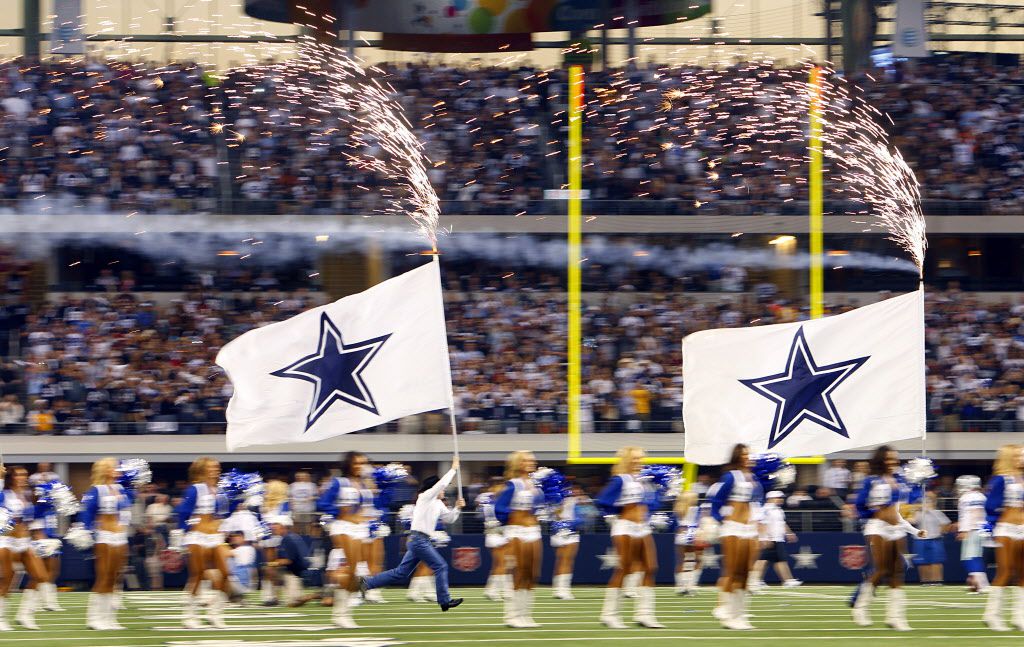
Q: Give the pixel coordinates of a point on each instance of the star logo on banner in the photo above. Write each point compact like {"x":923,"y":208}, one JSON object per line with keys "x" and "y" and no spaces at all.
{"x":803,"y":391}
{"x":336,"y":371}
{"x":710,"y":559}
{"x":609,"y":560}
{"x":804,"y":558}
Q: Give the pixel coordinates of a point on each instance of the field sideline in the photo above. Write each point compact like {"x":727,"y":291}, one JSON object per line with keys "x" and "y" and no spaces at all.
{"x":810,"y":615}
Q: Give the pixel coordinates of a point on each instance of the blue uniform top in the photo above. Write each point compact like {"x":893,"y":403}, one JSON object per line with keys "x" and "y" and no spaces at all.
{"x":22,"y":509}
{"x":105,"y":499}
{"x":199,"y":499}
{"x":343,"y":495}
{"x":626,"y":489}
{"x":734,"y":486}
{"x":518,"y":495}
{"x":1003,"y":492}
{"x":876,"y":493}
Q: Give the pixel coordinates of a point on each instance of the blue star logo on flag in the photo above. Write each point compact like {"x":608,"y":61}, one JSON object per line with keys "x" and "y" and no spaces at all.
{"x":803,"y":391}
{"x":335,"y":370}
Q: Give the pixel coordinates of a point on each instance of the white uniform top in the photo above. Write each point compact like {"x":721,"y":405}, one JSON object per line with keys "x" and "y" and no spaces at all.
{"x":429,"y":508}
{"x":632,"y":491}
{"x":568,"y":510}
{"x":971,"y":511}
{"x":774,"y":523}
{"x":1013,"y":493}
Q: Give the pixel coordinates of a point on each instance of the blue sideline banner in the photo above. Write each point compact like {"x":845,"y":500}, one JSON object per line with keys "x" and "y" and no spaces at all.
{"x":820,"y":557}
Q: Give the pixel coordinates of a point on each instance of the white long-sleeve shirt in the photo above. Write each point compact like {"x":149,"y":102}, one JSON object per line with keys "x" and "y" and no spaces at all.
{"x":429,"y":508}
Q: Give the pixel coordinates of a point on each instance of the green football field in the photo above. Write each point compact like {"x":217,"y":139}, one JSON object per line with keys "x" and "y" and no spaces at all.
{"x":815,"y":615}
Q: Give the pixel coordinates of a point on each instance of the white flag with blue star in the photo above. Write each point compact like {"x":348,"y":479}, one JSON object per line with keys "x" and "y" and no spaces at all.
{"x":807,"y":388}
{"x":361,"y":361}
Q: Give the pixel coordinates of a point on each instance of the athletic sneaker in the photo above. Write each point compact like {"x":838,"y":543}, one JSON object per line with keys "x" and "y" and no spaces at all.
{"x":791,"y":583}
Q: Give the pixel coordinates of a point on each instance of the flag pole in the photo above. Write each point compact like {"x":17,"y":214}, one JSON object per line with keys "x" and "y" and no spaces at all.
{"x":451,"y":386}
{"x":924,"y":367}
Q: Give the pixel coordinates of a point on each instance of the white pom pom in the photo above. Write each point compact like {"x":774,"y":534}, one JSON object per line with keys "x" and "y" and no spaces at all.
{"x":708,"y":530}
{"x":80,"y":537}
{"x":918,"y":470}
{"x":46,"y":548}
{"x":175,"y":539}
{"x":659,"y":521}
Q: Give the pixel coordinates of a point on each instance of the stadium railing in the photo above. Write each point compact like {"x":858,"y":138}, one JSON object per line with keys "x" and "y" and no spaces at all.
{"x":52,"y":203}
{"x":436,"y":423}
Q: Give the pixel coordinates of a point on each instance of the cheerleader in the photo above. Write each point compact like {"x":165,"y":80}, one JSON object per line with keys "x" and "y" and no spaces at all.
{"x":275,"y":506}
{"x":565,"y":539}
{"x":735,"y":505}
{"x":16,"y":547}
{"x":106,"y":513}
{"x":516,"y":508}
{"x":499,"y":584}
{"x":47,"y":544}
{"x":373,"y":545}
{"x":1005,"y":510}
{"x":885,"y":530}
{"x":689,"y":549}
{"x":628,"y":501}
{"x":201,"y":513}
{"x":970,"y":521}
{"x":344,"y":499}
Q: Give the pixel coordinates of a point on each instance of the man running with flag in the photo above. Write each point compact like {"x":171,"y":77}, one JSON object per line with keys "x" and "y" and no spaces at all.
{"x":429,"y":508}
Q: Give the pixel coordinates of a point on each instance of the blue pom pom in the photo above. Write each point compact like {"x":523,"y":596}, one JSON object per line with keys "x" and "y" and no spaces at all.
{"x":389,"y":475}
{"x":771,"y":470}
{"x":238,"y":486}
{"x":553,"y":485}
{"x":665,"y":478}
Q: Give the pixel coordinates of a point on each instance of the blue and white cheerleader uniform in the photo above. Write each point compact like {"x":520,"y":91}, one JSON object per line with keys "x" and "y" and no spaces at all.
{"x":687,"y":525}
{"x":970,"y":521}
{"x":494,"y":534}
{"x":519,"y":495}
{"x":569,"y":522}
{"x":877,"y":493}
{"x":200,"y":500}
{"x":1005,"y":492}
{"x":736,"y":487}
{"x":22,"y":510}
{"x":623,"y":490}
{"x":345,"y":495}
{"x":281,"y":513}
{"x":107,"y":500}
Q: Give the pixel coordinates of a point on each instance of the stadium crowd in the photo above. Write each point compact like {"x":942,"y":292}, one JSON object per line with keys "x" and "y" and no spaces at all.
{"x":110,"y":363}
{"x":119,"y":137}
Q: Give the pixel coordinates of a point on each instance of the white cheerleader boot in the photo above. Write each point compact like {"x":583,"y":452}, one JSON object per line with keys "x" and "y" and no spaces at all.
{"x":630,"y":583}
{"x":430,"y":588}
{"x":994,"y":609}
{"x":375,"y":596}
{"x":415,"y":592}
{"x":190,"y":618}
{"x":862,"y":607}
{"x":1017,"y":617}
{"x":92,"y":612}
{"x":215,"y":612}
{"x":610,"y":611}
{"x":512,"y":613}
{"x":4,"y":626}
{"x":491,"y":589}
{"x":526,"y":609}
{"x":267,"y":597}
{"x":118,"y":599}
{"x":644,"y":614}
{"x":680,"y":582}
{"x":109,"y":611}
{"x":27,"y":609}
{"x":48,"y":592}
{"x":561,"y":587}
{"x":721,"y":610}
{"x":506,"y":586}
{"x":736,"y":618}
{"x":341,"y":613}
{"x":896,"y":610}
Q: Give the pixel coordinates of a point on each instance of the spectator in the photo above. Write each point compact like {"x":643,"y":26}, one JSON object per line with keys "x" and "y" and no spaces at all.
{"x":837,"y":477}
{"x":159,"y":512}
{"x":303,"y":494}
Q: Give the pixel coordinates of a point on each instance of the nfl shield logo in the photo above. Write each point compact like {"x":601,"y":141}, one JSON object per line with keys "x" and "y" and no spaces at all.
{"x":854,"y":558}
{"x":171,"y":561}
{"x":466,"y":558}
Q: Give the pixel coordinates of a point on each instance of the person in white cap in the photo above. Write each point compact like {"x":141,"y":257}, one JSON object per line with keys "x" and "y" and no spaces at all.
{"x":774,"y":535}
{"x":291,"y":559}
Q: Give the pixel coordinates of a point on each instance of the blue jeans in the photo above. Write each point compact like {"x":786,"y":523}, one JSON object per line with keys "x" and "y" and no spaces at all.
{"x":419,"y":549}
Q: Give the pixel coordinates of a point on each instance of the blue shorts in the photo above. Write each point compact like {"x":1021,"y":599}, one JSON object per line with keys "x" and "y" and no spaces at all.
{"x":929,"y":551}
